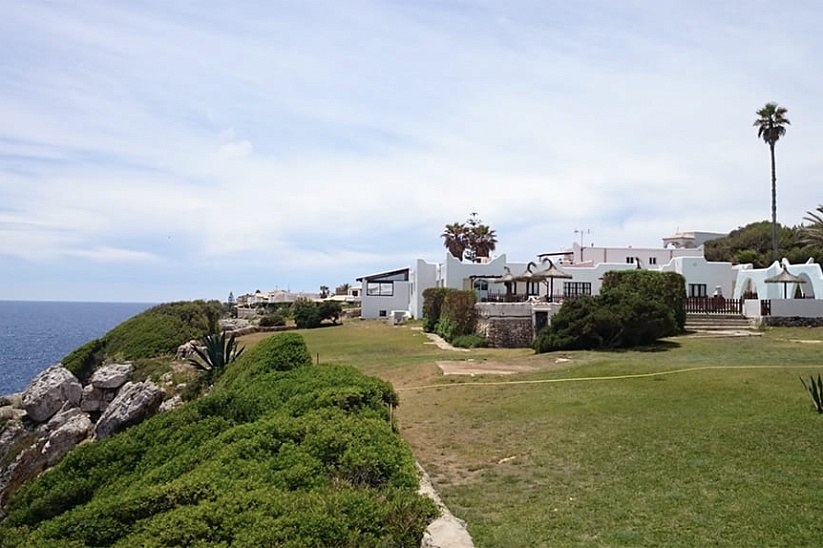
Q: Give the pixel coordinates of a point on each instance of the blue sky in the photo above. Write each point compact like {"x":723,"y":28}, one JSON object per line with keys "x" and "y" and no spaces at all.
{"x":156,"y":151}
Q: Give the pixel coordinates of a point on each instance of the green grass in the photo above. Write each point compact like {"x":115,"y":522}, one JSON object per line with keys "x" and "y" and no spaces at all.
{"x":724,"y":454}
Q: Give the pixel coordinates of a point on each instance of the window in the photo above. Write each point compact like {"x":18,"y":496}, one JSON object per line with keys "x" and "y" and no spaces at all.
{"x":652,"y":260}
{"x":576,"y":289}
{"x":380,"y":289}
{"x":697,"y":290}
{"x":533,"y":288}
{"x":629,"y":260}
{"x":481,"y":285}
{"x":382,"y":313}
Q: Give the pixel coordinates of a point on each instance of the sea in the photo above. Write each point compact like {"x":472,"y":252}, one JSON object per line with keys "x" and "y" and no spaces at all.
{"x":37,"y":334}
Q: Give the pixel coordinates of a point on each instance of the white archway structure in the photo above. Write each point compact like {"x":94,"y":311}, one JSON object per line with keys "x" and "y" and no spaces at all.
{"x":753,"y":280}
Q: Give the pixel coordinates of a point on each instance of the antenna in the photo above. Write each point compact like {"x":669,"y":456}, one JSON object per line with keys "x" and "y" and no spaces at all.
{"x":581,"y":232}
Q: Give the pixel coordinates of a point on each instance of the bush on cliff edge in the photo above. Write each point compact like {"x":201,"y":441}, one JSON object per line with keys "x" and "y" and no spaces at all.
{"x":302,"y":457}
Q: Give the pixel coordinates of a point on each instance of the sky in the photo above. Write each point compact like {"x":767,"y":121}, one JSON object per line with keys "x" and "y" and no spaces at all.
{"x":155,"y":151}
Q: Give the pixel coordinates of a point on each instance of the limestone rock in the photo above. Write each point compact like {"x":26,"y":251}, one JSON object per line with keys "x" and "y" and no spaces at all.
{"x":66,"y":437}
{"x":112,"y":376}
{"x":14,"y":400}
{"x":172,"y":403}
{"x":49,"y":390}
{"x":8,"y":412}
{"x":186,"y":350}
{"x":233,"y":324}
{"x":134,"y":403}
{"x":92,"y":401}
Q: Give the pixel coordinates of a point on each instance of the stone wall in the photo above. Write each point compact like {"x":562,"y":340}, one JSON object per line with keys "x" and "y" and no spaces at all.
{"x":507,"y":332}
{"x":506,"y":325}
{"x":784,"y":321}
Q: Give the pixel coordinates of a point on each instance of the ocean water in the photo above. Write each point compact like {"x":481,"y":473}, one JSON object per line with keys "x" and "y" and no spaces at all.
{"x":37,"y":334}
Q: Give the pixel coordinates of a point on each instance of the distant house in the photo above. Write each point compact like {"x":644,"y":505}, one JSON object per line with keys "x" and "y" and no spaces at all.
{"x":384,"y":292}
{"x":691,"y":240}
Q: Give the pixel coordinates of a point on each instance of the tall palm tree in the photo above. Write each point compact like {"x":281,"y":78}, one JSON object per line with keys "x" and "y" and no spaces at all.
{"x":455,"y":239}
{"x":771,"y":126}
{"x":813,"y":232}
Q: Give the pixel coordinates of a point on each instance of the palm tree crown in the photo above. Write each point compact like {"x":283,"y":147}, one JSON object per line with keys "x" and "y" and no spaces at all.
{"x":470,"y":240}
{"x":813,"y":232}
{"x":771,"y":126}
{"x":455,"y":239}
{"x":771,"y":123}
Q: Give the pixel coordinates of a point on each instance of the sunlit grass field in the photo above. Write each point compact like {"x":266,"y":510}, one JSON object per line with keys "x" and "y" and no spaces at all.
{"x":699,"y":442}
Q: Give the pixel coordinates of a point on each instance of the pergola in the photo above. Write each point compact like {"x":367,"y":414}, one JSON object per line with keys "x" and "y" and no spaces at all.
{"x":785,"y":277}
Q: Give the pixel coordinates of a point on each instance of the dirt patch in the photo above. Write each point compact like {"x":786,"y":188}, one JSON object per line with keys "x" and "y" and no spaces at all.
{"x":490,"y":367}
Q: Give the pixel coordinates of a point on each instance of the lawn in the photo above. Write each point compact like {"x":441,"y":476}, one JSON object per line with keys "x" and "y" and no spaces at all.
{"x":699,"y":442}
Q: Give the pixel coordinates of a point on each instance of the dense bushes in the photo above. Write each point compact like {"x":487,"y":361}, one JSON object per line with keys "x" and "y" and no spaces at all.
{"x":160,"y":330}
{"x":456,"y":315}
{"x":309,"y":314}
{"x":157,"y":331}
{"x":666,"y":287}
{"x":433,"y":298}
{"x":303,"y":457}
{"x":634,"y":308}
{"x":276,"y":319}
{"x":83,"y":360}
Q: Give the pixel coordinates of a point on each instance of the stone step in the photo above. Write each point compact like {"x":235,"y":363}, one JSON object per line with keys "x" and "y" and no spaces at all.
{"x":710,"y":322}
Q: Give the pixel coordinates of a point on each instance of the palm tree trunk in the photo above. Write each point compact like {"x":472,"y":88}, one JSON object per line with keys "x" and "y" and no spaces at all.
{"x":775,"y":252}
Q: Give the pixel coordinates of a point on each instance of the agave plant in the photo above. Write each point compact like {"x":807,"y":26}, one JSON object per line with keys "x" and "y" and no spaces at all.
{"x":217,"y":353}
{"x":815,"y":391}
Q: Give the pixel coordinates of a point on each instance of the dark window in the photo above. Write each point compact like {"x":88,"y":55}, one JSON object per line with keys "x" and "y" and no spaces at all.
{"x":630,"y":260}
{"x":382,"y":313}
{"x":576,"y":289}
{"x":533,"y":288}
{"x":697,"y":290}
{"x":380,"y":289}
{"x":652,"y":260}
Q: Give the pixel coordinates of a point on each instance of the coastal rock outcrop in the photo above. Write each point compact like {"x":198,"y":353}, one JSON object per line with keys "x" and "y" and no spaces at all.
{"x":72,"y":428}
{"x":55,"y":413}
{"x":49,"y":391}
{"x":135,"y":402}
{"x":112,"y":376}
{"x":186,"y":350}
{"x":103,"y":386}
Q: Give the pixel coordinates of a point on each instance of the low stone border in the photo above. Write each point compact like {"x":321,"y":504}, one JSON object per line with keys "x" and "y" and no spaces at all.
{"x":446,"y":531}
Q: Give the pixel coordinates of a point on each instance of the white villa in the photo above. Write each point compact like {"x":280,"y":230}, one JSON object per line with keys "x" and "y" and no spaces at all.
{"x":579,"y":271}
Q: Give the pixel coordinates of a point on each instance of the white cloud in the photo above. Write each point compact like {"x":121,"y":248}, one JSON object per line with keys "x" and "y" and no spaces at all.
{"x":293,"y":140}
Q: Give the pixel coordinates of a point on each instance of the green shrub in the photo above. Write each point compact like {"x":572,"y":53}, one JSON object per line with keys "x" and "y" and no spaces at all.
{"x":303,"y":457}
{"x":475,"y":340}
{"x":330,"y":310}
{"x":161,"y":329}
{"x":273,"y":320}
{"x":219,"y":352}
{"x":306,"y":314}
{"x":622,"y":316}
{"x":280,"y":352}
{"x":433,"y":298}
{"x":457,"y":314}
{"x":815,"y":390}
{"x":84,"y":360}
{"x":666,"y":287}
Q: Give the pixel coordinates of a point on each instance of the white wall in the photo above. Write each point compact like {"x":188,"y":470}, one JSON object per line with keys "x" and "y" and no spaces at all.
{"x":454,"y":273}
{"x":800,"y":308}
{"x":423,"y":277}
{"x":618,"y":255}
{"x":697,"y":270}
{"x":755,"y":279}
{"x":371,"y":305}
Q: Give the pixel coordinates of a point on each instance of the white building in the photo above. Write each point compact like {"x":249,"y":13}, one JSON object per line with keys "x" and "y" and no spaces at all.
{"x":403,"y":289}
